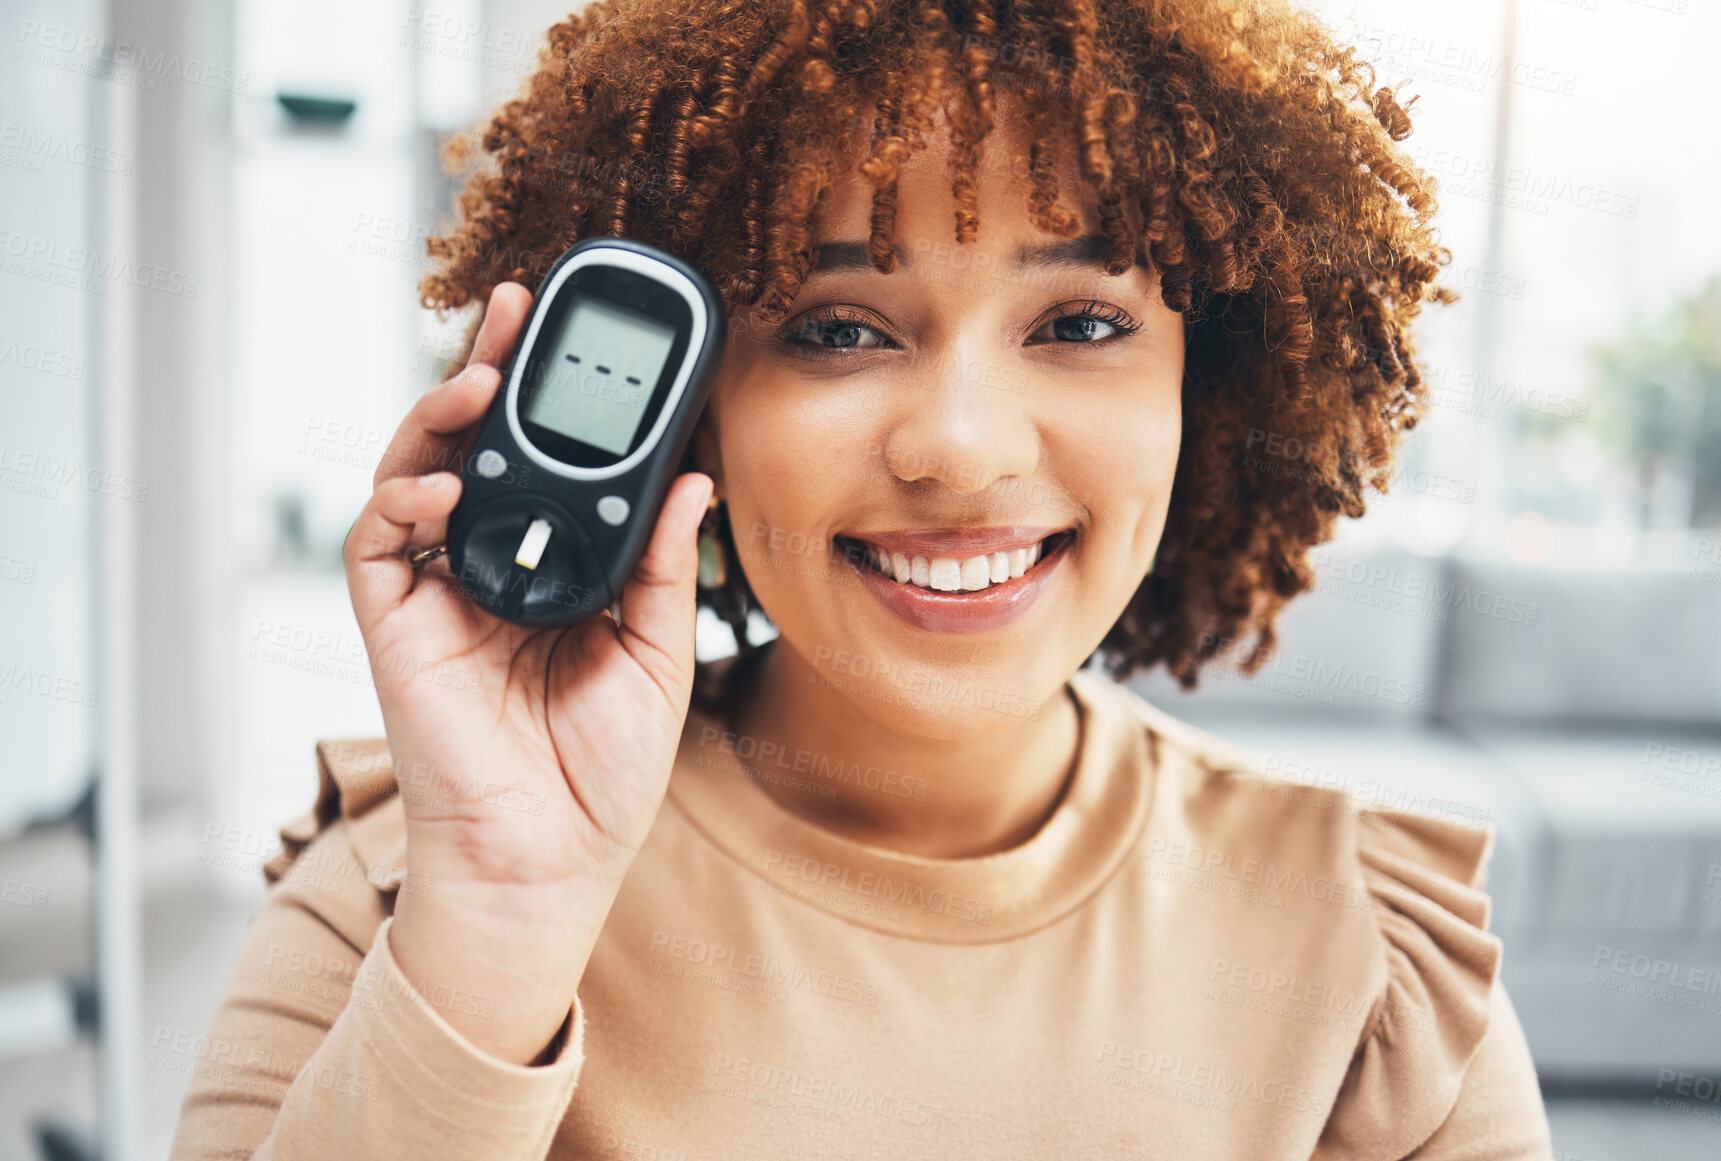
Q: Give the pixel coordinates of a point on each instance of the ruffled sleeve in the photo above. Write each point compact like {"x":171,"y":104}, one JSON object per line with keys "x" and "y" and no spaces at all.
{"x":356,"y":786}
{"x":1425,"y":877}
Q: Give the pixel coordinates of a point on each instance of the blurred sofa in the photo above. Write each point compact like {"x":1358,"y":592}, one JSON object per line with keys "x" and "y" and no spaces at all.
{"x":1579,"y":714}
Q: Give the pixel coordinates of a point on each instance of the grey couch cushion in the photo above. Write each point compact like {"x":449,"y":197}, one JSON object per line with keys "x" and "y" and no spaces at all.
{"x":1622,"y":972}
{"x":1610,"y":646}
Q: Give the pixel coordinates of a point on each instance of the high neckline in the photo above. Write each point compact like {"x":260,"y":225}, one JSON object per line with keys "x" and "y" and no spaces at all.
{"x":983,"y":899}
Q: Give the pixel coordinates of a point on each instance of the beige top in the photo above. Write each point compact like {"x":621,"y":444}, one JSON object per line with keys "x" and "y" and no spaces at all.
{"x":1189,"y":960}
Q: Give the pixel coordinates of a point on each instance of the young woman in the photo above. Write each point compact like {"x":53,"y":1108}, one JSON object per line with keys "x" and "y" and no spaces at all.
{"x":1014,"y":290}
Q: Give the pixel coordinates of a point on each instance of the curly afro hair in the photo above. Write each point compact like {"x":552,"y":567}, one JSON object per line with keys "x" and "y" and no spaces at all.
{"x":1285,"y":225}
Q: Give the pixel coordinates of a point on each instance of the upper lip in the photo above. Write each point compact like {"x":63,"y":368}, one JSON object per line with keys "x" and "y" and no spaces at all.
{"x":956,"y":543}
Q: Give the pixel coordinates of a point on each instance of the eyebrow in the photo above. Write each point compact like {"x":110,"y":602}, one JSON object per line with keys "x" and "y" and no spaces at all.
{"x":1088,"y":250}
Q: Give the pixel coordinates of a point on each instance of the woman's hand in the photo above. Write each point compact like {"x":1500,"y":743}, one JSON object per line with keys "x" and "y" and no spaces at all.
{"x":531,"y":762}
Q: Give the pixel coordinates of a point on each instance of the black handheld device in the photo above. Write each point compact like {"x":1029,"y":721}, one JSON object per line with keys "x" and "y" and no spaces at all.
{"x":562,"y":489}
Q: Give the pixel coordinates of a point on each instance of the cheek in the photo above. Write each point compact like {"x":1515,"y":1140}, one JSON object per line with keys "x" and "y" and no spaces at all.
{"x":794,"y":461}
{"x":791,"y":453}
{"x":1126,"y":467}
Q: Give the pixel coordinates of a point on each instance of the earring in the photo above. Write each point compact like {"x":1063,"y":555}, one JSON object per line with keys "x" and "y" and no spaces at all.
{"x":713,"y":571}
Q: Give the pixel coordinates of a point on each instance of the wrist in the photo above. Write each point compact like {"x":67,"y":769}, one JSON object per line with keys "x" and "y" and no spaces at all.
{"x":506,"y":989}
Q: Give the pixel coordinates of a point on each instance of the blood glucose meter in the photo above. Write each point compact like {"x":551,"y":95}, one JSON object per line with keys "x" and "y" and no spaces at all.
{"x":562,"y":489}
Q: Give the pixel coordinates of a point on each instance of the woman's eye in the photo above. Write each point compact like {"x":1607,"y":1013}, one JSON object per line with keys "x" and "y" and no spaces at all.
{"x":1080,"y":328}
{"x":834,"y":334}
{"x":1089,"y":325}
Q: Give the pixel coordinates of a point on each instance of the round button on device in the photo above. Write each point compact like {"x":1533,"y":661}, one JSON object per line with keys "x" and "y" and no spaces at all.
{"x":491,"y":463}
{"x":612,"y":510}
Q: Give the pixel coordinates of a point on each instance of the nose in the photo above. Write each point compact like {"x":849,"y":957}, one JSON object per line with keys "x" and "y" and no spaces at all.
{"x":961,"y":421}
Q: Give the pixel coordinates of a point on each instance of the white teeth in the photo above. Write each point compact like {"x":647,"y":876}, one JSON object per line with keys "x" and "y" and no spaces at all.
{"x":948,"y":575}
{"x":976,"y":573}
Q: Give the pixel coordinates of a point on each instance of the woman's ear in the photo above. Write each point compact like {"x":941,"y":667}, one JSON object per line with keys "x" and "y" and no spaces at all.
{"x":705,"y":450}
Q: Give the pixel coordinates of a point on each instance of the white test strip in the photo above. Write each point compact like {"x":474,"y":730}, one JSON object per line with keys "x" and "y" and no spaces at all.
{"x":532,"y":544}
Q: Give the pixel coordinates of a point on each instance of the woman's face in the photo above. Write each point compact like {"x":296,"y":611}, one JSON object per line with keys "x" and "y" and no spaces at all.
{"x":981,"y":404}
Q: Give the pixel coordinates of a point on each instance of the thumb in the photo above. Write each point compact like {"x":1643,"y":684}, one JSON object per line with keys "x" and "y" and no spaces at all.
{"x":658,"y":608}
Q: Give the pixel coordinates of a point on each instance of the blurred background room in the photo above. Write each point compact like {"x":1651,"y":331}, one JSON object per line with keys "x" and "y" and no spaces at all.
{"x":212,"y":226}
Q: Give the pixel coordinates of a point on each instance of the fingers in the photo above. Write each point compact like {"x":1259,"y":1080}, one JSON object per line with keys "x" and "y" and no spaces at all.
{"x":430,"y":437}
{"x":657,"y":604}
{"x":504,"y":314}
{"x":379,"y":575}
{"x":434,"y":432}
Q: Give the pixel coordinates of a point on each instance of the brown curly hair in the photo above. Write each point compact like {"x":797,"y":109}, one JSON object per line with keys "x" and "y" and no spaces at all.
{"x":1294,"y":236}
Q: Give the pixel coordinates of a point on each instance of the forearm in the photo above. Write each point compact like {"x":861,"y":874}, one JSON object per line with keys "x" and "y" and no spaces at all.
{"x":394,"y":1079}
{"x":321,"y":1050}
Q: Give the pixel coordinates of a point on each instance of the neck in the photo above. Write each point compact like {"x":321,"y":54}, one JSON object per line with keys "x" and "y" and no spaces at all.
{"x":937,"y":798}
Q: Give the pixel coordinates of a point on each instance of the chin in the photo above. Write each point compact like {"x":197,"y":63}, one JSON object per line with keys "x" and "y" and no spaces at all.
{"x":950,"y":701}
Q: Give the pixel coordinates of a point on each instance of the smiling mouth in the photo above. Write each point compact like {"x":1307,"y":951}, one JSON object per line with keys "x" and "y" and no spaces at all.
{"x":952,"y":574}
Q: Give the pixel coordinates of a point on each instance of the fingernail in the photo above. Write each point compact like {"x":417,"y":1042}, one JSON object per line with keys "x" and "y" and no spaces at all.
{"x":432,"y":479}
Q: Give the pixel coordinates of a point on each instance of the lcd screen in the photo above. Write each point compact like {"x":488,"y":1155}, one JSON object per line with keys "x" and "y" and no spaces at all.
{"x":601,"y":374}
